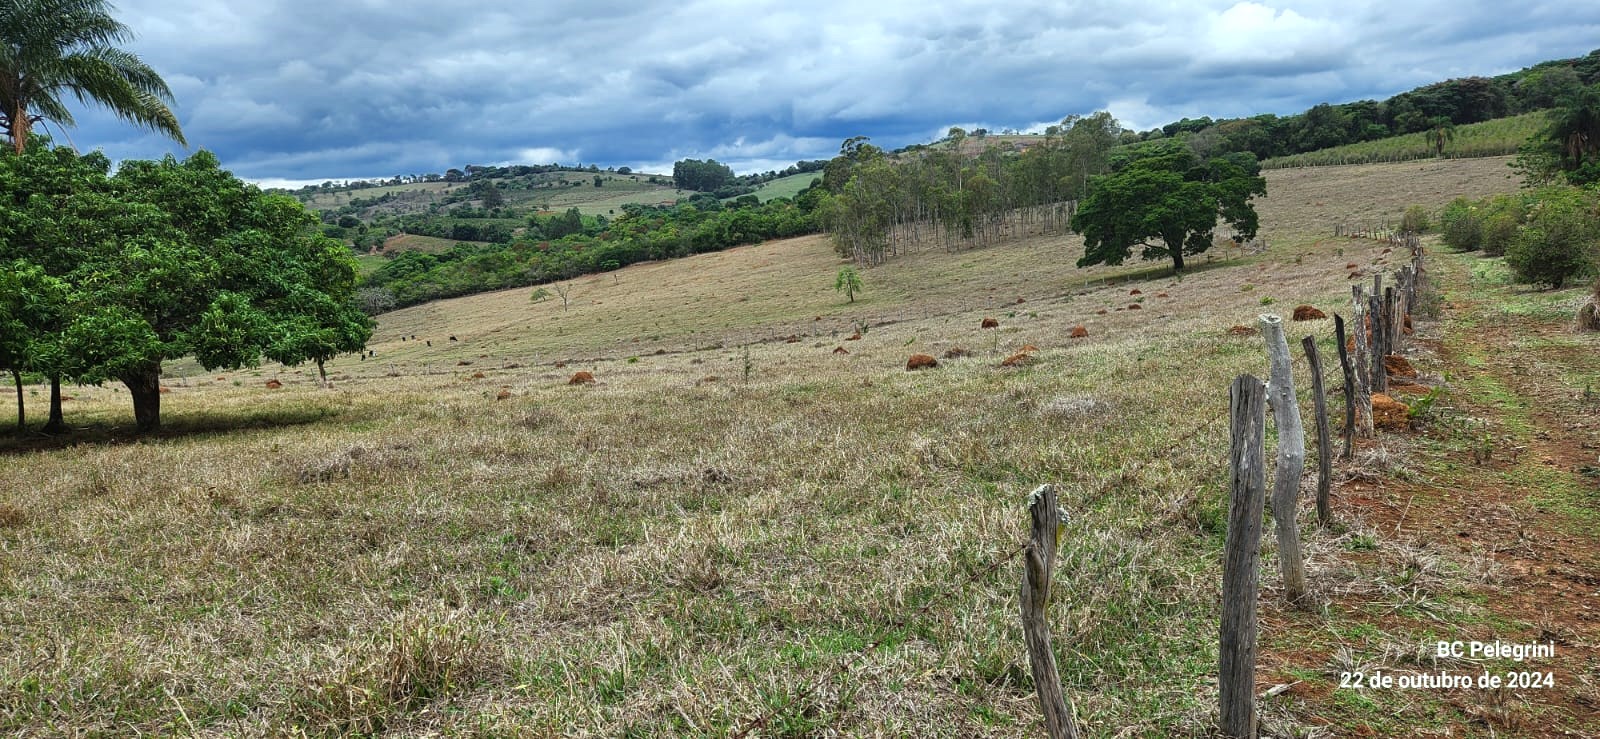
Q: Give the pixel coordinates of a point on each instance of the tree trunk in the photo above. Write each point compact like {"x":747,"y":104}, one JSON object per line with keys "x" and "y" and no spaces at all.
{"x":1177,"y":258}
{"x":145,"y":388}
{"x":323,"y":373}
{"x":22,"y":411}
{"x":57,"y":422}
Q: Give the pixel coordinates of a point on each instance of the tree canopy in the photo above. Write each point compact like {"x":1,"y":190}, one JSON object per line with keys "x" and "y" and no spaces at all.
{"x":1167,"y":202}
{"x":50,"y":49}
{"x":164,"y":260}
{"x":706,"y":176}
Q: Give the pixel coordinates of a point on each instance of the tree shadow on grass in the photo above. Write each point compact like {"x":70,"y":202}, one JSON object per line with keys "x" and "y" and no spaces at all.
{"x":195,"y":425}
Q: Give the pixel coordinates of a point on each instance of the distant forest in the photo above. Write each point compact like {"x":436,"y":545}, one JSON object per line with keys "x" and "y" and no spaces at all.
{"x":875,"y":205}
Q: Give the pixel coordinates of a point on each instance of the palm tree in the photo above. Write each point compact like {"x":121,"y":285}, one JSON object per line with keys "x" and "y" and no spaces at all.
{"x":1441,"y":131}
{"x":49,"y":48}
{"x":1575,"y":128}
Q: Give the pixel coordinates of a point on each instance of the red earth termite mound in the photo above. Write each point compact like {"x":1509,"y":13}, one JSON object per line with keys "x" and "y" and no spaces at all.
{"x":1017,"y":360}
{"x":989,"y":323}
{"x":840,"y":350}
{"x":1398,"y":366}
{"x":921,"y":361}
{"x":273,"y":384}
{"x":1079,"y":332}
{"x":1388,"y":413}
{"x":581,"y":377}
{"x":1308,"y":313}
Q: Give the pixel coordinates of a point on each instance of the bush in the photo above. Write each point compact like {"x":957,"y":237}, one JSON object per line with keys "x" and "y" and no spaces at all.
{"x":1415,"y":220}
{"x":1502,"y":218}
{"x":1559,"y":241}
{"x":1463,"y":225}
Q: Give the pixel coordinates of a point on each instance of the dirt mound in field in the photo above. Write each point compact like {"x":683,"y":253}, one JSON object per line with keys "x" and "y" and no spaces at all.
{"x":1238,"y":330}
{"x":581,"y":377}
{"x":1308,"y":313}
{"x":1020,"y":359}
{"x":989,"y":323}
{"x":840,"y":350}
{"x":1388,"y":413}
{"x":1079,"y":332}
{"x":273,"y":384}
{"x":921,"y":361}
{"x":1398,"y":366}
{"x":503,"y":394}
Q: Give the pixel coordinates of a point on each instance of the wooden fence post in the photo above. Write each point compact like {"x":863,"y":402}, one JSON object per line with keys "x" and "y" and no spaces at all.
{"x":1380,"y":337}
{"x":1236,"y":669}
{"x":1363,"y":389}
{"x":1039,"y":559}
{"x":1291,"y":458}
{"x":1391,"y":327}
{"x":1324,"y":444}
{"x":1349,"y":389}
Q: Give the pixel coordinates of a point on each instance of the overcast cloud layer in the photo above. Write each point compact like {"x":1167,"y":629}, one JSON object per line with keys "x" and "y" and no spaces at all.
{"x":333,"y":89}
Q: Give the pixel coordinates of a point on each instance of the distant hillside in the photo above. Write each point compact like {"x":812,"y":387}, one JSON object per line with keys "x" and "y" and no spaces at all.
{"x":1499,"y":137}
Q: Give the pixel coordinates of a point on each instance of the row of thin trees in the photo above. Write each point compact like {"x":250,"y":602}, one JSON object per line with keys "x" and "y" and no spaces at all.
{"x":940,"y":197}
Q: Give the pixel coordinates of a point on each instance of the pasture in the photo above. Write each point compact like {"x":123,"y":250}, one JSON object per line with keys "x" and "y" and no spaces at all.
{"x":454,"y":540}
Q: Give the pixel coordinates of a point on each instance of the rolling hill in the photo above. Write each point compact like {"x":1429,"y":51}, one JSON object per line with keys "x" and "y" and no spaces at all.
{"x":456,"y":539}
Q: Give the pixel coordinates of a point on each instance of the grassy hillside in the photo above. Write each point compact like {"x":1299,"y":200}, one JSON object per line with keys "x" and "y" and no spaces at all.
{"x":455,"y":540}
{"x":786,"y":187}
{"x":1499,"y":137}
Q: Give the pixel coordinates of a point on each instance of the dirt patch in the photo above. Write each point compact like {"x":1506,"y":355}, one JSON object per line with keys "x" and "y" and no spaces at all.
{"x":840,"y":350}
{"x":956,"y":352}
{"x":921,"y":361}
{"x":989,"y":323}
{"x":581,"y":377}
{"x":273,"y":384}
{"x":1241,"y":330}
{"x":1079,"y":332}
{"x":1308,"y":313}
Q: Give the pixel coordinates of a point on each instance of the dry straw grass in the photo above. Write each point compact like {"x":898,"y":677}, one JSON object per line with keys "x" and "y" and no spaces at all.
{"x":655,"y":554}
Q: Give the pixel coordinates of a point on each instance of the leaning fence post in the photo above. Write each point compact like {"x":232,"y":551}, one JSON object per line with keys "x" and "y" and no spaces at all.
{"x":1349,"y":388}
{"x":1324,"y":444}
{"x":1039,"y":559}
{"x":1236,"y":668}
{"x":1291,"y":458}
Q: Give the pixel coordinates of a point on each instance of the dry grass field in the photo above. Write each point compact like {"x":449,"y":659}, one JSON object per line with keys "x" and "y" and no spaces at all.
{"x":453,"y":540}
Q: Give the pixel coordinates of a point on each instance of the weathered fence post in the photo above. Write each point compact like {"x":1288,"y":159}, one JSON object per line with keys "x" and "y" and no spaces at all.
{"x":1380,"y":338}
{"x":1349,"y":388}
{"x":1291,"y":458}
{"x":1236,"y":669}
{"x":1392,"y":322}
{"x":1363,"y":389}
{"x":1039,"y":560}
{"x":1324,"y":444}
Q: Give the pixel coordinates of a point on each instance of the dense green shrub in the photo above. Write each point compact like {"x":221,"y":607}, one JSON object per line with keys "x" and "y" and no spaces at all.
{"x":1559,"y":240}
{"x":1462,"y":225}
{"x":1415,"y":220}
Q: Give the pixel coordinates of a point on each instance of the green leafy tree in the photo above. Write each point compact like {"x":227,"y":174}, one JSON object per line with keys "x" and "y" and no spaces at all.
{"x":848,"y":280}
{"x":1168,"y":203}
{"x":50,"y":49}
{"x":39,"y":229}
{"x":190,"y":261}
{"x":31,"y":305}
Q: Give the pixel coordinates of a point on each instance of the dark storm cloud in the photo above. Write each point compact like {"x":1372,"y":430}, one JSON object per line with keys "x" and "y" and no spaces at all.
{"x":303,"y":89}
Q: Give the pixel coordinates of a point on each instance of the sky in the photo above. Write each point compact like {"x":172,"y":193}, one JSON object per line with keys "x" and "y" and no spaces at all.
{"x":293,"y":91}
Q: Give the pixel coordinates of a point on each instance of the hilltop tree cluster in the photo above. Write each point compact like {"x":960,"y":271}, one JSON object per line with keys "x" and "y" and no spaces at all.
{"x":879,"y":206}
{"x":107,"y":275}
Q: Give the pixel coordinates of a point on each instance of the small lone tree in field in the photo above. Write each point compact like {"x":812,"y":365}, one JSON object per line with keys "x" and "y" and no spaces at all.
{"x":849,"y":281}
{"x":1441,"y":132}
{"x":1167,"y":202}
